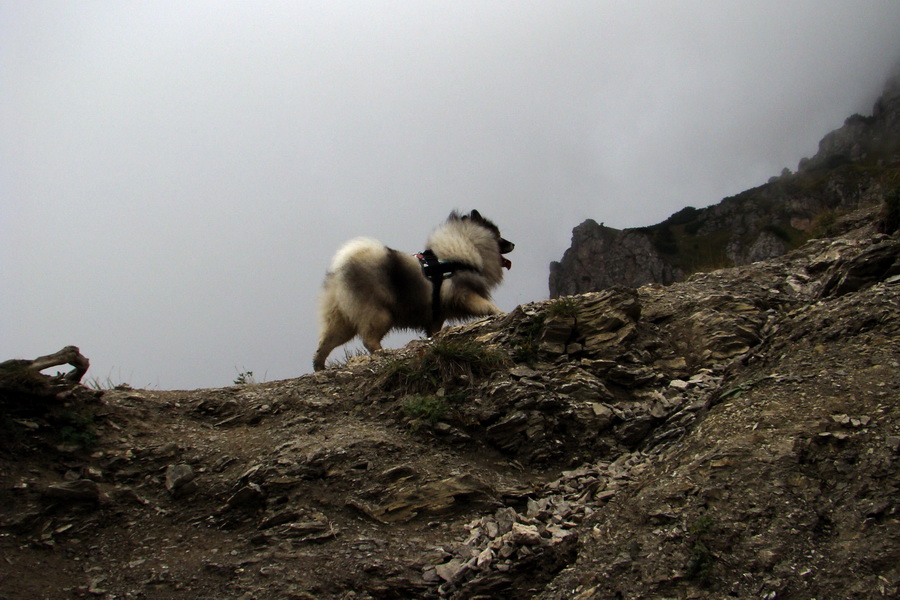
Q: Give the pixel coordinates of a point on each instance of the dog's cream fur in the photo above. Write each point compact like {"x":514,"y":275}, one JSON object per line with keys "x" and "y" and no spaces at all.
{"x":371,"y":289}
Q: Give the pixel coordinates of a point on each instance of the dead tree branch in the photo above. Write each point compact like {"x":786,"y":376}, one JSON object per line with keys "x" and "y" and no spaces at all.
{"x":24,"y":376}
{"x":70,"y":355}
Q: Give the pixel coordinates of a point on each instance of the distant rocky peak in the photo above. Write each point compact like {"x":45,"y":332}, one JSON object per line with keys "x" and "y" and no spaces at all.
{"x":856,"y":165}
{"x":873,"y":139}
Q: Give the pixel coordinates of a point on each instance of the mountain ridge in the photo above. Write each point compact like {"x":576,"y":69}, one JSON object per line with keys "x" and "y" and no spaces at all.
{"x":856,"y":165}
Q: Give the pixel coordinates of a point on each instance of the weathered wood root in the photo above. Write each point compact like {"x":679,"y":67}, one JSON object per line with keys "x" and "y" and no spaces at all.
{"x":20,"y":378}
{"x":70,"y":355}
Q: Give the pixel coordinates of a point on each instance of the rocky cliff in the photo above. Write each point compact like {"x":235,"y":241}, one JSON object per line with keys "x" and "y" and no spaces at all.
{"x":856,"y":165}
{"x":602,"y":257}
{"x":736,"y":434}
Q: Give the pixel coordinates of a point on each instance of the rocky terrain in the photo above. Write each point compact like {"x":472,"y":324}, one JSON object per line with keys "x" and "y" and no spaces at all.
{"x":856,"y":165}
{"x":733,"y":435}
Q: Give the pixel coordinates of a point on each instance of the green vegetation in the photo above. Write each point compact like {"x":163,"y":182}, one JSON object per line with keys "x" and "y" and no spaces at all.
{"x":778,"y":231}
{"x":350,"y":352}
{"x":527,"y":341}
{"x":424,"y":409}
{"x":690,"y":252}
{"x":701,"y":559}
{"x":693,"y":228}
{"x":438,"y":377}
{"x":245,"y":378}
{"x":76,"y":428}
{"x":564,"y":306}
{"x":525,"y":348}
{"x":889,"y":219}
{"x":686,"y":215}
{"x":679,"y":239}
{"x":444,"y":364}
{"x":824,"y":224}
{"x":663,"y":239}
{"x":95,"y":383}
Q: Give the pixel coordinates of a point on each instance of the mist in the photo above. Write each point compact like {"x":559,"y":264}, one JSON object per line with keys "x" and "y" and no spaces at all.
{"x":175,"y":177}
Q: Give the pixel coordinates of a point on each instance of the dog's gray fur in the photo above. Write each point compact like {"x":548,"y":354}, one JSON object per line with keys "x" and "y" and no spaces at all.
{"x":371,"y":289}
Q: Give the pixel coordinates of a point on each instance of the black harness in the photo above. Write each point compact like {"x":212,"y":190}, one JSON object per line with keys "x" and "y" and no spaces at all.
{"x":436,"y":271}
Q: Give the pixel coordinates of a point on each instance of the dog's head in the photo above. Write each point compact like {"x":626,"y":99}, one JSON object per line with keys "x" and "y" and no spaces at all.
{"x":504,"y":246}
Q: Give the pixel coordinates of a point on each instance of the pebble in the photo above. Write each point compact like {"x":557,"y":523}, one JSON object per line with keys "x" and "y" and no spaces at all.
{"x":180,"y":480}
{"x":80,"y":490}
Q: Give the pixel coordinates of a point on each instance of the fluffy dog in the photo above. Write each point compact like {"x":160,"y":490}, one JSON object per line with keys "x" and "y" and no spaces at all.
{"x":371,"y":289}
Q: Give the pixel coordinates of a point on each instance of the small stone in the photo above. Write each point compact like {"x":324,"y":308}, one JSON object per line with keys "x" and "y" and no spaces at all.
{"x":675,"y":363}
{"x":442,"y":428}
{"x":524,"y":535}
{"x":80,"y":490}
{"x":280,"y":519}
{"x":93,"y":473}
{"x":537,"y":509}
{"x":559,"y":534}
{"x":169,"y":450}
{"x":841,"y":419}
{"x":521,"y":372}
{"x":485,"y":558}
{"x":450,"y":571}
{"x":127,"y":495}
{"x":94,"y":586}
{"x":601,"y":410}
{"x":893,"y":442}
{"x":604,"y":496}
{"x":679,"y":384}
{"x":492,"y":529}
{"x":837,"y":435}
{"x":180,"y":480}
{"x":574,"y":348}
{"x":248,"y":495}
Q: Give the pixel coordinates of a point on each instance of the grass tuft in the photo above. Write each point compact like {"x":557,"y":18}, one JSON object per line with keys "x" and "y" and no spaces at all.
{"x":526,"y":346}
{"x":76,"y":428}
{"x":424,"y":409}
{"x":444,"y":364}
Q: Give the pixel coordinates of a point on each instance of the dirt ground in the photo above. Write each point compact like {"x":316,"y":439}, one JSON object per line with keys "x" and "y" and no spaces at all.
{"x":291,"y":451}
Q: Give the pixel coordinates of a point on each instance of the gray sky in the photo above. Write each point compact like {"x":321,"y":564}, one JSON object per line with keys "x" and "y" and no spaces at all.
{"x":175,"y":176}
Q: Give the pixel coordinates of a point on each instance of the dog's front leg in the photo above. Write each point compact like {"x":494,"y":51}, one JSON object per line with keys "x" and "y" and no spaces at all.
{"x":433,"y":328}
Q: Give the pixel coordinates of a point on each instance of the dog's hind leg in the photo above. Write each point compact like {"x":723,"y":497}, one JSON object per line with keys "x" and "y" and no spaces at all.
{"x":480,"y":306}
{"x":336,"y":330}
{"x":378,"y":324}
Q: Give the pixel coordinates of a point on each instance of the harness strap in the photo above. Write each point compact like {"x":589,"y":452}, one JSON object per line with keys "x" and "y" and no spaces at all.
{"x":436,"y":271}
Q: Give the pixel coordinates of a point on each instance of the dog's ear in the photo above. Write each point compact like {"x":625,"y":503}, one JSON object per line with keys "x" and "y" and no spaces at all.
{"x":476,"y":216}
